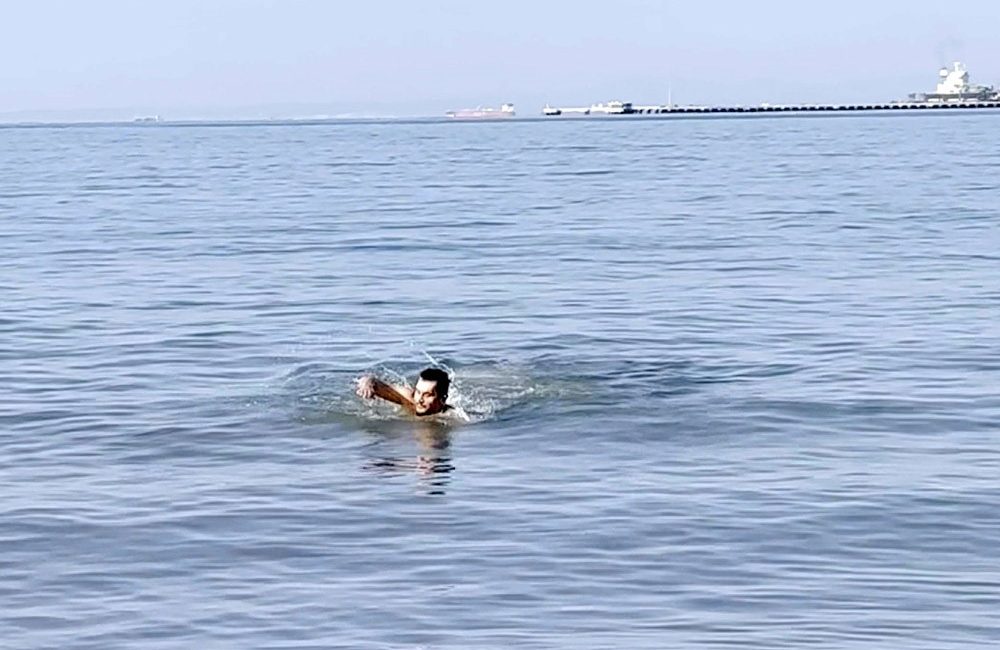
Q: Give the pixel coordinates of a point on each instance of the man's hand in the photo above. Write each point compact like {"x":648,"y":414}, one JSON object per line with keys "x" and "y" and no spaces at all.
{"x":369,"y":387}
{"x":366,"y":387}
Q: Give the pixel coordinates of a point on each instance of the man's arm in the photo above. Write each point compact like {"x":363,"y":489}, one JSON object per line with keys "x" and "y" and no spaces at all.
{"x":369,"y":387}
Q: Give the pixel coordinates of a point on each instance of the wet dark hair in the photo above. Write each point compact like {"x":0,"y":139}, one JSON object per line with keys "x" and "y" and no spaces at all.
{"x":440,"y":377}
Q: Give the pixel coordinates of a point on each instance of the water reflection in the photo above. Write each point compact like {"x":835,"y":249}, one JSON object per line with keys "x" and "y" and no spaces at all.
{"x":430,"y":460}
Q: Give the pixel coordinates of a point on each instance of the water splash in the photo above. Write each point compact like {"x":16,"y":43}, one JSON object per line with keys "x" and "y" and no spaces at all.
{"x":479,"y":392}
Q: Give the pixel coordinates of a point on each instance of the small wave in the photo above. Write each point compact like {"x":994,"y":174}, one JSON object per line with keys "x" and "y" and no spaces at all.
{"x":583,"y":172}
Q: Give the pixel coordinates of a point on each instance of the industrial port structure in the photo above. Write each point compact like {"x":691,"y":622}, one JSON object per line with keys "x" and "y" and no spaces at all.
{"x":953,"y":92}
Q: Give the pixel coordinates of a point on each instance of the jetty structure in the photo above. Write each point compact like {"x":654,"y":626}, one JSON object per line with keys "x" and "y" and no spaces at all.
{"x":953,"y":91}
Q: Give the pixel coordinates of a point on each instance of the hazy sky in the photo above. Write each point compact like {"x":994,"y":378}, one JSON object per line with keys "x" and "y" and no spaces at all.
{"x":245,"y":58}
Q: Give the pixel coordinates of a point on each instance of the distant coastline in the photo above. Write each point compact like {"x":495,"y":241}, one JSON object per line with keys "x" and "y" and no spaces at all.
{"x":954,"y":93}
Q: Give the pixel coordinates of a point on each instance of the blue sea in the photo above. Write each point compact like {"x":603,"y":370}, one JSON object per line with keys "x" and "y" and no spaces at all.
{"x":731,"y":383}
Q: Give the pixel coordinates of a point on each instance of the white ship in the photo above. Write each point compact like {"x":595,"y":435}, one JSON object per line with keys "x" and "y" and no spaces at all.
{"x":953,"y":86}
{"x":614,"y":107}
{"x":480,"y":113}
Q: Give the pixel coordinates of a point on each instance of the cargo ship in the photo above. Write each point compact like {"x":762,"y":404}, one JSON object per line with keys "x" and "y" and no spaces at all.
{"x":953,"y":86}
{"x":481,"y":113}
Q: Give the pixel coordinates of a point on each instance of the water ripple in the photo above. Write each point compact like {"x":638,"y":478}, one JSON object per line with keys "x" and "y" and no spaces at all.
{"x":730,"y":383}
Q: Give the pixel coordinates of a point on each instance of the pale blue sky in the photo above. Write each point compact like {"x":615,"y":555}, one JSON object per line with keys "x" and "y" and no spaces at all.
{"x":256,"y":58}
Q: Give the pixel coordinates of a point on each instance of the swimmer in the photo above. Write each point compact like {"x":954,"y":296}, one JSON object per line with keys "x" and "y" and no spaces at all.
{"x":428,"y":397}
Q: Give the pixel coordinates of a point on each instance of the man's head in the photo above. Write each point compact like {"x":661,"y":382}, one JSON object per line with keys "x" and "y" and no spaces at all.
{"x":431,"y":391}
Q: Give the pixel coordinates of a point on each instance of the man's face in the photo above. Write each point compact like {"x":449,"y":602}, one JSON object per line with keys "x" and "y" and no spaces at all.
{"x":426,"y":399}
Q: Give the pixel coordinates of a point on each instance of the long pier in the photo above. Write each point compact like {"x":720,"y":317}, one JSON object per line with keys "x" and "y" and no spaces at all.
{"x":626,"y":108}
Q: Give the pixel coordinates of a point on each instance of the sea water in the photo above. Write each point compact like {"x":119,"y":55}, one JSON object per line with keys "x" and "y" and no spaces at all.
{"x":730,"y":383}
